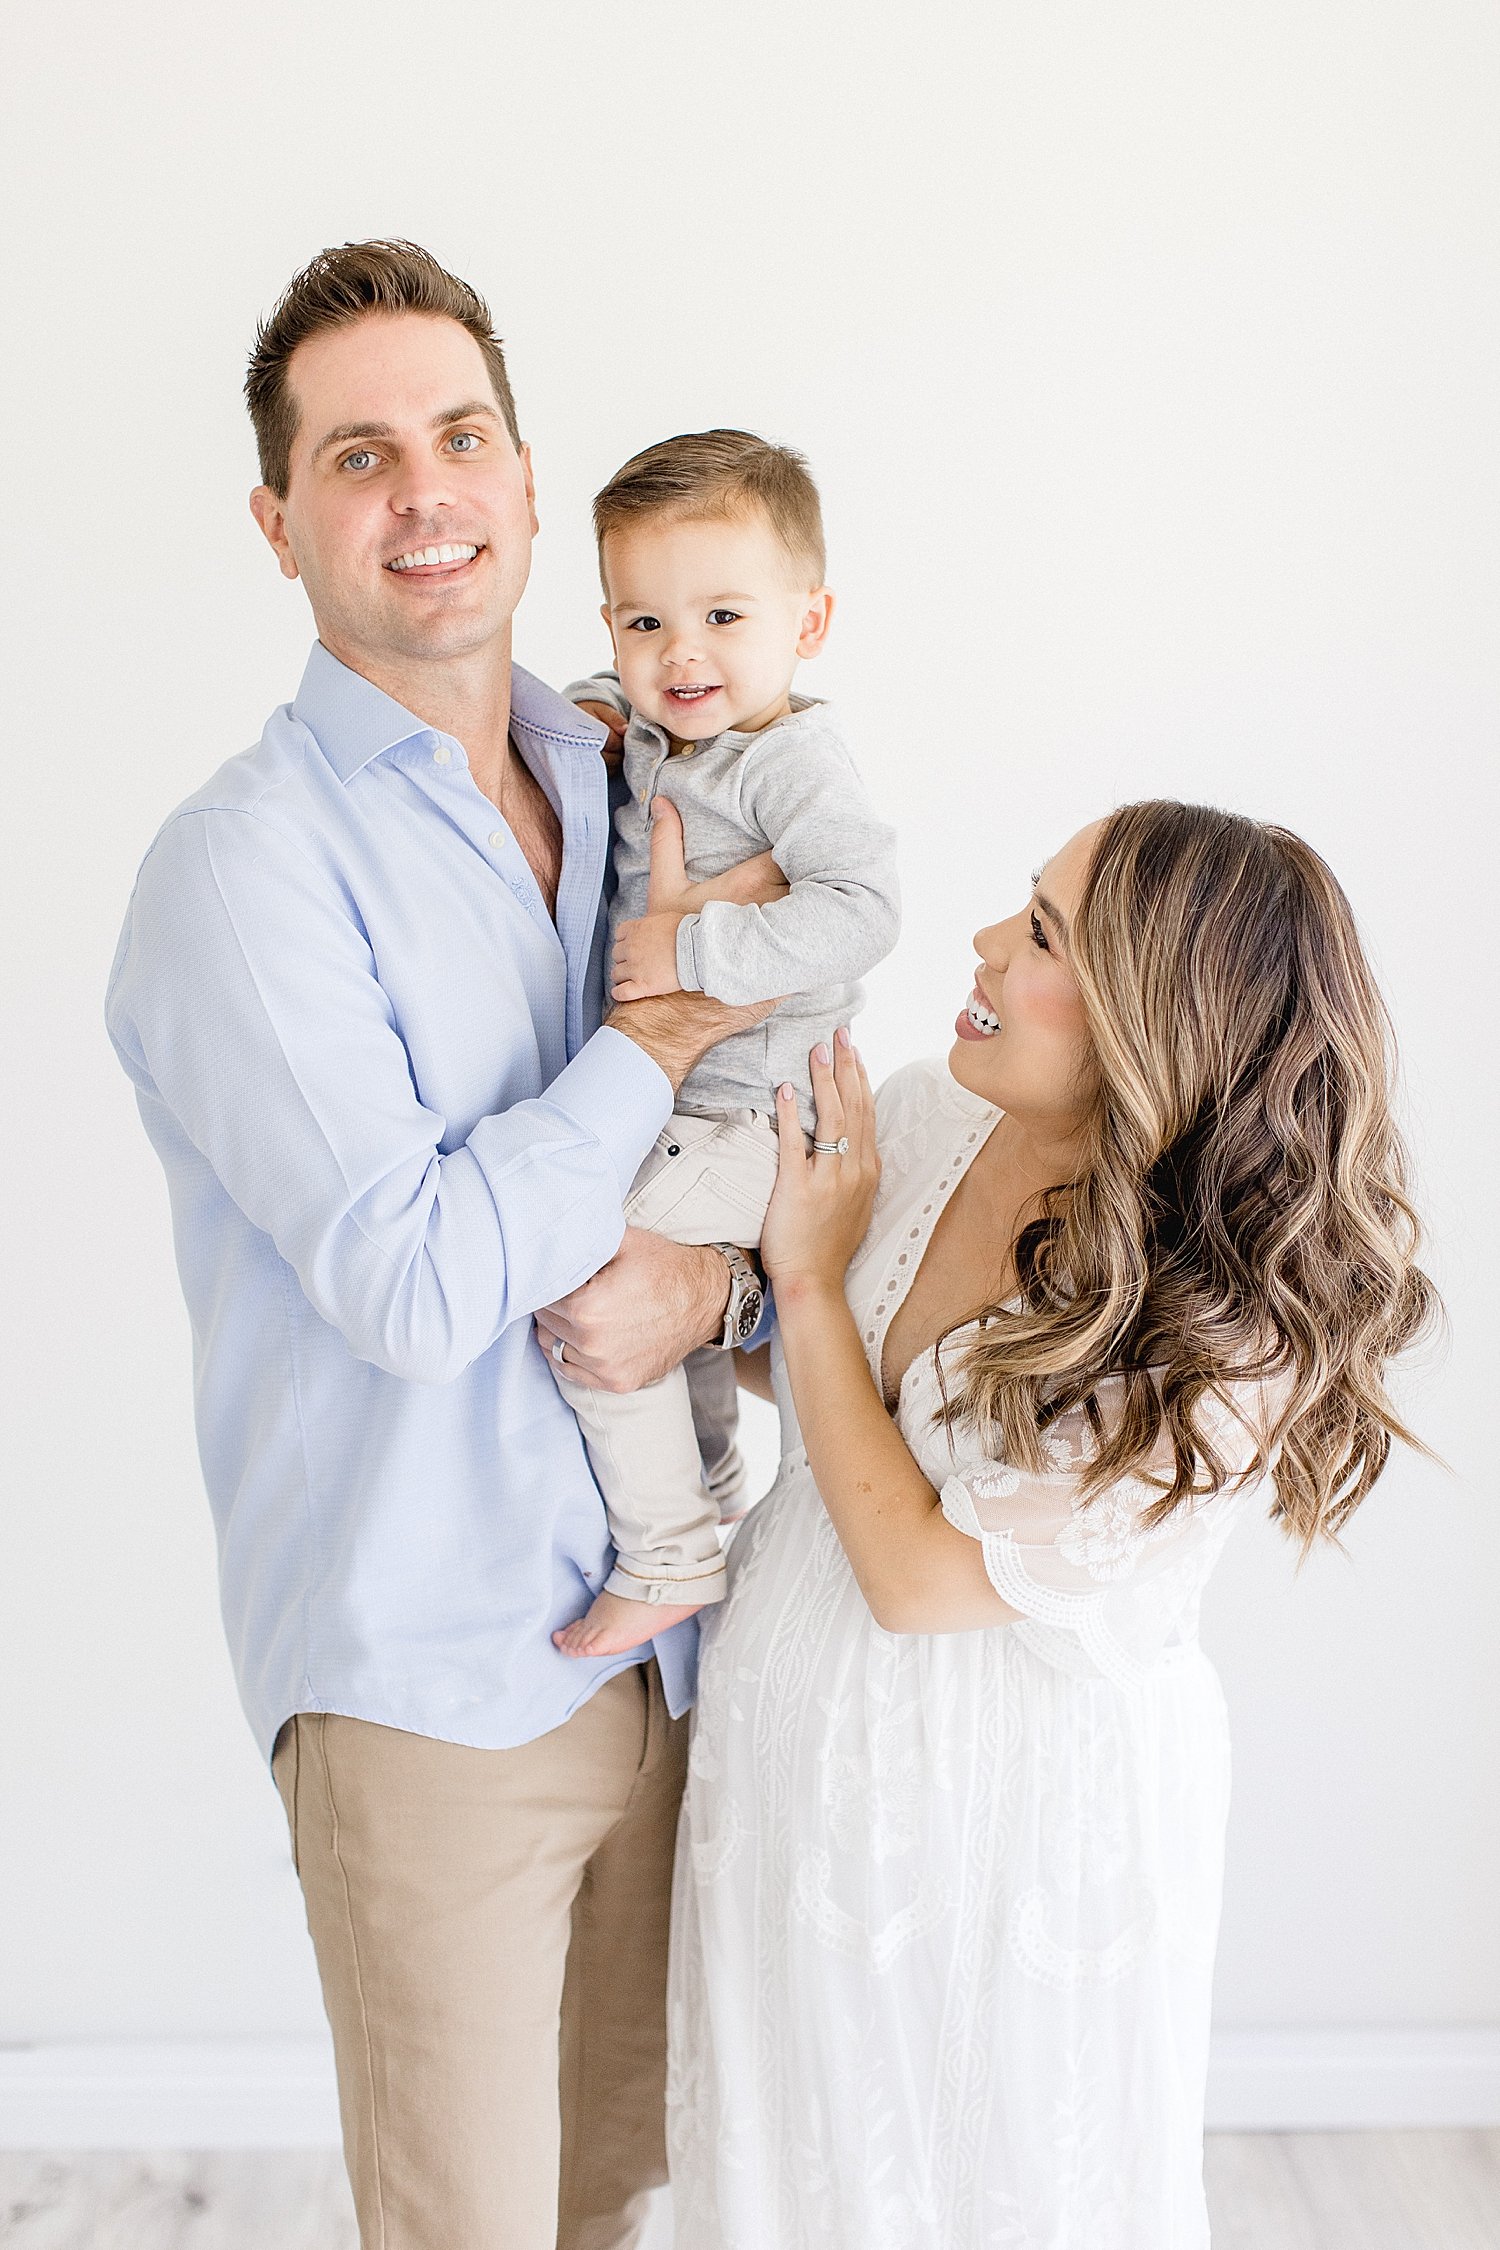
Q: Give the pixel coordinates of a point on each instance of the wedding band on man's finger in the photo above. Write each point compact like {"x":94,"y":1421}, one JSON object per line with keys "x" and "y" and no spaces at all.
{"x":558,"y":1348}
{"x":832,"y":1148}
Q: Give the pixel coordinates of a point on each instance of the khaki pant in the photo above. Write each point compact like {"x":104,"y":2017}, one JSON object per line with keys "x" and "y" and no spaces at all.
{"x":491,"y":1933}
{"x":666,"y":1457}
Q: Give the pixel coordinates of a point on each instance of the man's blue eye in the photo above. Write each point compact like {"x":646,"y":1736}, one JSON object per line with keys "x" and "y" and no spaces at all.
{"x":466,"y":439}
{"x":644,"y":625}
{"x":723,"y":617}
{"x":357,"y":460}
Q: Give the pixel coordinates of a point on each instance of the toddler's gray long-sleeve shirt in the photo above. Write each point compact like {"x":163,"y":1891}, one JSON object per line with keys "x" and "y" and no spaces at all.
{"x":791,"y":789}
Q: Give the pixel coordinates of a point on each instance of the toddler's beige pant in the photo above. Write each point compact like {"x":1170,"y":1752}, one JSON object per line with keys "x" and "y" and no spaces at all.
{"x":491,"y":1933}
{"x":665,"y":1457}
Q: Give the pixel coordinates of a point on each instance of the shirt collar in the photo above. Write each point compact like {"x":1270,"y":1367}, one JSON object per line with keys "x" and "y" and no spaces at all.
{"x":545,"y":713}
{"x":643,"y":735}
{"x":353,"y":721}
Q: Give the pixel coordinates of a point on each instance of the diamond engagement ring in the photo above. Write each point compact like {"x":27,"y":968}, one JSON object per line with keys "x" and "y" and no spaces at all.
{"x":832,"y":1148}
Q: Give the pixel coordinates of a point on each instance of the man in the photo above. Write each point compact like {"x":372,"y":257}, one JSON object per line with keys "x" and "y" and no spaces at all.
{"x":358,"y":991}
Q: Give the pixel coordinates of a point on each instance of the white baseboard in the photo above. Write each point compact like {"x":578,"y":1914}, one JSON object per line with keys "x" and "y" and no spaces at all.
{"x":149,"y":2094}
{"x":1308,"y":2080}
{"x":280,"y":2093}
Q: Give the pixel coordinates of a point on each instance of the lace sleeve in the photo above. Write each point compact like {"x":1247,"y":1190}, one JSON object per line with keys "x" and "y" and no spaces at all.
{"x":1094,"y":1570}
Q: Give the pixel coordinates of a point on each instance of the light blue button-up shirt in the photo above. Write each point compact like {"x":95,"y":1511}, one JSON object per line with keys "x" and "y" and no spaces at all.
{"x":392,"y":1129}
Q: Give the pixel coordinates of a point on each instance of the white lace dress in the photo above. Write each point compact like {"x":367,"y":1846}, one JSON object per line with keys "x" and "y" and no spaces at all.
{"x":946,"y":1904}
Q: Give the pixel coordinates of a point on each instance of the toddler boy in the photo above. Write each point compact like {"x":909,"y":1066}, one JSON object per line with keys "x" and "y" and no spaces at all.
{"x":712,"y":561}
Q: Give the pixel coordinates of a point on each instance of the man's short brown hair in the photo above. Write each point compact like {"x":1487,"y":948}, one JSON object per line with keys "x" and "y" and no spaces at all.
{"x":711,"y":473}
{"x":336,"y":289}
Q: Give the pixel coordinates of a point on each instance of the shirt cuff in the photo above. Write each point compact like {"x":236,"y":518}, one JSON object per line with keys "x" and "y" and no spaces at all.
{"x":687,"y":955}
{"x":613,"y":1090}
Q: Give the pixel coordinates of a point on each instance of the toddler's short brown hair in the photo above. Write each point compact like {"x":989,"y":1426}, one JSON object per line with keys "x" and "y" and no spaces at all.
{"x":709,"y":473}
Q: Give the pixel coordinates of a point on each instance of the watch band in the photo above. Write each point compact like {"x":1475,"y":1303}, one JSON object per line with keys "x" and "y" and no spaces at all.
{"x":747,"y":1296}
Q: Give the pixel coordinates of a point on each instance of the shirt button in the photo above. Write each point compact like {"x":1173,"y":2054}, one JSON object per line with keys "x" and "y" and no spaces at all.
{"x":497,"y":838}
{"x":441,"y":755}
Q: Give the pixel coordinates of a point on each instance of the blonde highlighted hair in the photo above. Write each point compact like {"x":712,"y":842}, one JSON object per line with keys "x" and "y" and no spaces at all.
{"x":1243,"y":1211}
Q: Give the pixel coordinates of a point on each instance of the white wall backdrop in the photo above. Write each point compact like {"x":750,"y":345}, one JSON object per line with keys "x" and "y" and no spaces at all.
{"x":1147,"y":355}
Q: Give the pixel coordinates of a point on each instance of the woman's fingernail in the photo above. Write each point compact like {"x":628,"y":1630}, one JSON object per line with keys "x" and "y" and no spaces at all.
{"x":844,"y":1039}
{"x":785,"y":1092}
{"x":820,"y":1052}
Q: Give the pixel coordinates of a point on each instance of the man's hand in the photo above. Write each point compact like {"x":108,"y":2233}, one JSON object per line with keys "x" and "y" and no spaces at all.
{"x":678,"y":1029}
{"x":670,"y":890}
{"x":612,"y":751}
{"x":644,"y":965}
{"x":641,"y":1315}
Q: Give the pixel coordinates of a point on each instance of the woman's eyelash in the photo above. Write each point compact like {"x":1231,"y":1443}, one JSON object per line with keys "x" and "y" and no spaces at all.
{"x":1039,"y":935}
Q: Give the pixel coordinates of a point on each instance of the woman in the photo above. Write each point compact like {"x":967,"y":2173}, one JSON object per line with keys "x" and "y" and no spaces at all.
{"x":949,"y":1871}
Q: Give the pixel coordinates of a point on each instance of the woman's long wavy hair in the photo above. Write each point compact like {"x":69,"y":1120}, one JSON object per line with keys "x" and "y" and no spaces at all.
{"x":1242,"y":1210}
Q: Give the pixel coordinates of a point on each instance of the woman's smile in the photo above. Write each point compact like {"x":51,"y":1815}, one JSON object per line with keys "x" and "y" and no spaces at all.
{"x":977,"y":1019}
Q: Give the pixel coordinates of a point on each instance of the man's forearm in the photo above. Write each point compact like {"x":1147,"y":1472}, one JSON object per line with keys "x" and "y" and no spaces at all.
{"x":677,"y":1030}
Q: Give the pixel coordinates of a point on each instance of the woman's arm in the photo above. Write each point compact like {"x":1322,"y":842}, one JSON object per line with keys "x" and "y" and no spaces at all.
{"x":918,"y":1574}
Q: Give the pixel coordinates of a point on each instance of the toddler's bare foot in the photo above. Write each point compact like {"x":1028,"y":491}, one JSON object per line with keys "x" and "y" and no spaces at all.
{"x":613,"y":1626}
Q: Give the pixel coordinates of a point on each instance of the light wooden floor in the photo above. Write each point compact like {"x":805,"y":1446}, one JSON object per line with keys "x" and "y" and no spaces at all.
{"x":1267,"y":2191}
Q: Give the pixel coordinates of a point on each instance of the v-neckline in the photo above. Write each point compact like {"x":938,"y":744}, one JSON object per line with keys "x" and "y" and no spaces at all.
{"x":907,"y":1267}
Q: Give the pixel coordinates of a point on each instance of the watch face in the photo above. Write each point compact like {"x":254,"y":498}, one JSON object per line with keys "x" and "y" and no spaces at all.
{"x":749,"y":1315}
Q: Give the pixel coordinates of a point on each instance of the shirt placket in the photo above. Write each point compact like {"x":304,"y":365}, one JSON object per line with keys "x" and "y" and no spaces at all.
{"x":441,"y":770}
{"x":582,"y":808}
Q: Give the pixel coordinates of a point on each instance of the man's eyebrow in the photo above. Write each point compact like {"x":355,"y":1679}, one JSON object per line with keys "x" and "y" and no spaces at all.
{"x":347,"y":432}
{"x":471,"y":411}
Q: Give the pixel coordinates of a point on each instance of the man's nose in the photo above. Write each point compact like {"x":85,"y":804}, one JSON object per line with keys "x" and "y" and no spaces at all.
{"x":421,"y":488}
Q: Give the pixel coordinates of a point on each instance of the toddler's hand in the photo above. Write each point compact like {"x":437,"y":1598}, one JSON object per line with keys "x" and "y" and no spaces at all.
{"x":612,"y":751}
{"x":644,"y":964}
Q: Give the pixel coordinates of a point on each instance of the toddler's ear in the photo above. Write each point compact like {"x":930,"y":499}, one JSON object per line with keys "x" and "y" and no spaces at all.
{"x":816,"y":621}
{"x":609,"y":621}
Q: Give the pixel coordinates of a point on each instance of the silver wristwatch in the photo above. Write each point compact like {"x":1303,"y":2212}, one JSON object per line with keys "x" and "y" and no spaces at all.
{"x":747,"y":1297}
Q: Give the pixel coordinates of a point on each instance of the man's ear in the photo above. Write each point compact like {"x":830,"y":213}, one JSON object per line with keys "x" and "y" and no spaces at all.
{"x":270,"y":514}
{"x":525,"y":453}
{"x":815,"y":622}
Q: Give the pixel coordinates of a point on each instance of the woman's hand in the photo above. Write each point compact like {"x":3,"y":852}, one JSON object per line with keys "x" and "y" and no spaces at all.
{"x":822,"y":1204}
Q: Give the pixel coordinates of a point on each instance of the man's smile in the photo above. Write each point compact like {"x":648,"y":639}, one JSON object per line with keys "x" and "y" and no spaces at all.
{"x":431,"y":562}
